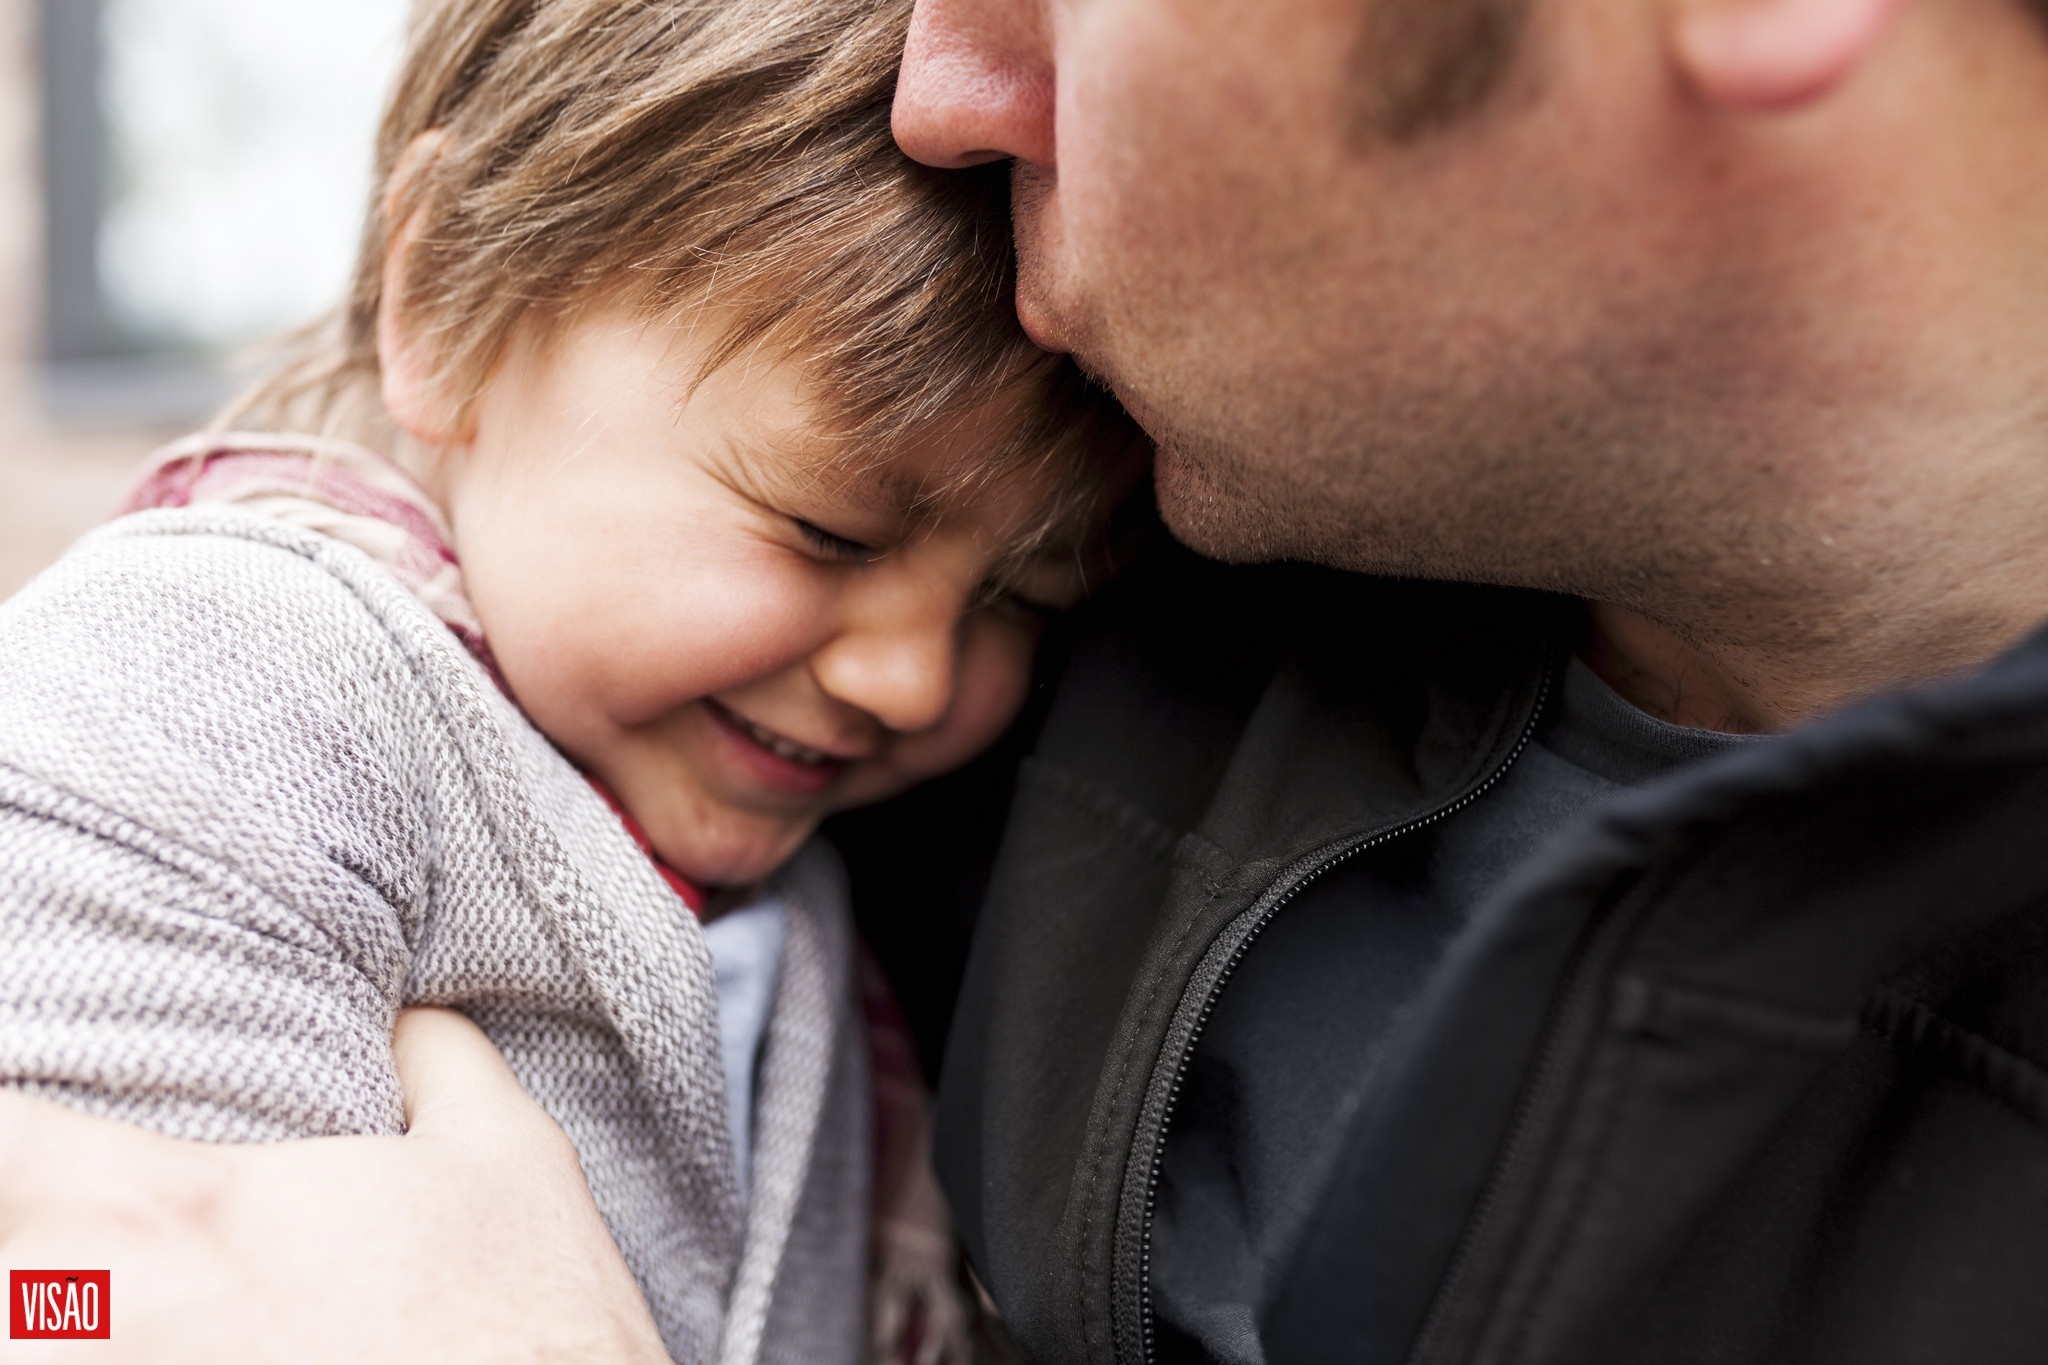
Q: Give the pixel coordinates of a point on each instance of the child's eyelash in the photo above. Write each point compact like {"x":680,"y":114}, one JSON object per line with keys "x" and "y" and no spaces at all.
{"x":1003,"y":596}
{"x":833,"y":547}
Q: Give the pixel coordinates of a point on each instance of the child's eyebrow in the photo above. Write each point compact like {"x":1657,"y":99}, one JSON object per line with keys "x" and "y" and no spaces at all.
{"x":808,"y":461}
{"x":888,"y":487}
{"x":804,"y":462}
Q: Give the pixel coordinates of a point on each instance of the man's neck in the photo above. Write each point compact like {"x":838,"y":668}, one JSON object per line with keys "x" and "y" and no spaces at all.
{"x":1658,"y":672}
{"x":1738,"y":690}
{"x":1892,"y":551}
{"x":1854,"y":484}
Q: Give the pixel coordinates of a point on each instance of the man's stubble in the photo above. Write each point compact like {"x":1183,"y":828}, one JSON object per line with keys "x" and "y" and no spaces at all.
{"x":1293,"y":481}
{"x":1516,"y":454}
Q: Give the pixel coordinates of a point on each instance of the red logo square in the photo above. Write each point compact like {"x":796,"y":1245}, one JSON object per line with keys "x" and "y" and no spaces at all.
{"x":60,"y":1305}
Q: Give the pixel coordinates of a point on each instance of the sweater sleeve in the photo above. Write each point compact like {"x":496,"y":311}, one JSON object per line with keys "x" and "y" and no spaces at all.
{"x":142,"y":982}
{"x":210,"y":849}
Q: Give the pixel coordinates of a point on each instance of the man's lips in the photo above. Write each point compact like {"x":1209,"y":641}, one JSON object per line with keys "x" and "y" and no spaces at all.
{"x":1039,"y":323}
{"x":775,"y":758}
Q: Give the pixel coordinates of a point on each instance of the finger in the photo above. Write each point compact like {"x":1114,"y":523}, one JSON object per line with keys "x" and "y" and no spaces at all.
{"x":450,"y":1074}
{"x":51,"y":1156}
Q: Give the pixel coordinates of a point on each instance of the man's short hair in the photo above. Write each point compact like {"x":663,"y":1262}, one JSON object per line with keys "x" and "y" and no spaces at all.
{"x":1425,"y":64}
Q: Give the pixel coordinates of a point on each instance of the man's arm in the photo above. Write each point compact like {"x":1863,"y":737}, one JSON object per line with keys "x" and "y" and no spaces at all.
{"x":472,"y":1238}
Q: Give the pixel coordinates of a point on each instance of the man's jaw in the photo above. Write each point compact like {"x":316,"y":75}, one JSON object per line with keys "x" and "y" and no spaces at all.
{"x":1210,"y":514}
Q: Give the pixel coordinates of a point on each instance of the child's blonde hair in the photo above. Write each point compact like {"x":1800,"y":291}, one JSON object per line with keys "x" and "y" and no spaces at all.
{"x":673,"y":151}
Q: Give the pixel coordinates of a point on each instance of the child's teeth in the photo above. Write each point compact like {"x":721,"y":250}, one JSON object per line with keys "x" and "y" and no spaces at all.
{"x":782,"y":748}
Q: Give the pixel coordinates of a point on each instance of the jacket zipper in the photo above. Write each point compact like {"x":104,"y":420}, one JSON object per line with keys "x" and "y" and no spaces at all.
{"x":1332,"y":858}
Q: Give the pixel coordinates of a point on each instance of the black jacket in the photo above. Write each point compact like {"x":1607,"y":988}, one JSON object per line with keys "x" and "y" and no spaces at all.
{"x":1755,"y":1068}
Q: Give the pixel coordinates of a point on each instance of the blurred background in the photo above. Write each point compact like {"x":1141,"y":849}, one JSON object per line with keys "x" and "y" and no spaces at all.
{"x":178,"y":180}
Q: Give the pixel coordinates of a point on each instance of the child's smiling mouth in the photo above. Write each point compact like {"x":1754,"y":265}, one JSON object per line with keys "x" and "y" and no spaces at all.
{"x":776,"y":758}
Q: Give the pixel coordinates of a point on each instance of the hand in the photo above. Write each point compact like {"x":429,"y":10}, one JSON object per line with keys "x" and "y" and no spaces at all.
{"x":472,"y":1239}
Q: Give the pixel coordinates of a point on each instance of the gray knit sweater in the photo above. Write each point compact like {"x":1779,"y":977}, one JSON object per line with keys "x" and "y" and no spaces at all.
{"x":254,"y":798}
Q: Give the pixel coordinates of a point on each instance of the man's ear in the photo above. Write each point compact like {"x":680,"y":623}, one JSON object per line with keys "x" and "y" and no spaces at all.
{"x":415,"y":401}
{"x":1763,"y":55}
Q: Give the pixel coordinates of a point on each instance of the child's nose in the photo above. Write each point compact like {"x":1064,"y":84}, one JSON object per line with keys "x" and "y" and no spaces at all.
{"x":896,"y":662}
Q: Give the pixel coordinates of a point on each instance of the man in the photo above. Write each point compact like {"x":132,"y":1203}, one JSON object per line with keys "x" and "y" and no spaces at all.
{"x":1378,"y":971}
{"x":1334,"y":999}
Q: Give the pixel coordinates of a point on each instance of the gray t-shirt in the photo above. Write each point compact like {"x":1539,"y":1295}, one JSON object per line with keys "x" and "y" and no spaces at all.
{"x":1290,"y":1047}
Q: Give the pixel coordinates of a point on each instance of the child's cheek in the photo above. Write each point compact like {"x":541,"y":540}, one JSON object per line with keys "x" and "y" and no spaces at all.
{"x":696,"y":632}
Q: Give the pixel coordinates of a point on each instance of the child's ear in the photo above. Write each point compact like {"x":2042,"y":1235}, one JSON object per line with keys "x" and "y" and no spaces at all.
{"x":415,"y":401}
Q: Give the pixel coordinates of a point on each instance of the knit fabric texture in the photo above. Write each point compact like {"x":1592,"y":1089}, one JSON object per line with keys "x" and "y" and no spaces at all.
{"x":255,"y":797}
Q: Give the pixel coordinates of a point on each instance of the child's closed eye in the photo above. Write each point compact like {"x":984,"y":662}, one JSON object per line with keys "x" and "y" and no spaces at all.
{"x":1034,"y":589}
{"x":1009,"y":602}
{"x":830,"y":545}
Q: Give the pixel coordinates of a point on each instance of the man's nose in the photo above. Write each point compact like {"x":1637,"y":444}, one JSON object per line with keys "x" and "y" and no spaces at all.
{"x":977,"y":83}
{"x":896,"y":659}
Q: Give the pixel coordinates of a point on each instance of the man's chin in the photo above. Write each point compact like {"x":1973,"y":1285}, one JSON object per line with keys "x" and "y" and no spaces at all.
{"x":1212,"y":515}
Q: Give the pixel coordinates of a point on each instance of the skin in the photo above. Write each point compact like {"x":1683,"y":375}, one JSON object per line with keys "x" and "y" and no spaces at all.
{"x":230,"y":1253}
{"x":670,"y":566}
{"x":1723,"y":314}
{"x":701,"y":594}
{"x":670,"y":575}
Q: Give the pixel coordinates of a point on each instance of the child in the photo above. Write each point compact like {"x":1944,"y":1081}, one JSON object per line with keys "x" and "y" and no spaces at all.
{"x":675,"y":476}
